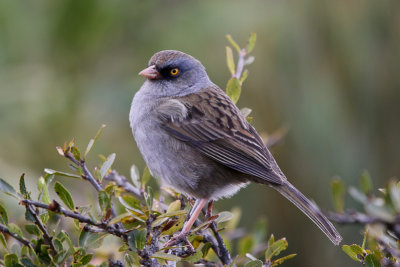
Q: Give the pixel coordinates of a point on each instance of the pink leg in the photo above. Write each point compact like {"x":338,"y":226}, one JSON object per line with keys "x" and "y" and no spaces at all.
{"x":182,"y":236}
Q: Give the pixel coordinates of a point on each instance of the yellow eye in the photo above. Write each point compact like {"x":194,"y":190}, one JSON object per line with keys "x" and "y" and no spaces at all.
{"x":174,"y":71}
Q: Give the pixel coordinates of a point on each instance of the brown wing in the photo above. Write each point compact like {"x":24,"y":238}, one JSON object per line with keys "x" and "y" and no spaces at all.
{"x":215,"y":126}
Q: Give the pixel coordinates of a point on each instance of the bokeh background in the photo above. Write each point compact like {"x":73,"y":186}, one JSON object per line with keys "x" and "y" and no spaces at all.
{"x":326,"y":70}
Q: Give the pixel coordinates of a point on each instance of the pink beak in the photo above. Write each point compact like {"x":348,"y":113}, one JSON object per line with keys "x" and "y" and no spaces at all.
{"x":150,"y":73}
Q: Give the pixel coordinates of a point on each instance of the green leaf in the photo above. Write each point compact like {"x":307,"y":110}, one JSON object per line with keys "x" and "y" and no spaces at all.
{"x":224,"y":216}
{"x":44,"y":191}
{"x":174,"y":206}
{"x":119,"y":218}
{"x":233,"y":89}
{"x":276,"y":248}
{"x":137,"y":239}
{"x":76,"y":153}
{"x":245,"y":74}
{"x":95,"y":240}
{"x":371,"y":261}
{"x":11,"y":260}
{"x":3,"y":240}
{"x":64,"y":195}
{"x":254,"y":263}
{"x":83,"y":237}
{"x":27,"y":262}
{"x":66,"y":174}
{"x":104,"y":200}
{"x":107,"y":165}
{"x":22,"y":187}
{"x":198,"y":255}
{"x":358,"y":195}
{"x":252,"y":42}
{"x":93,"y":141}
{"x":86,"y":259}
{"x":366,"y":182}
{"x":165,"y":256}
{"x":245,"y":245}
{"x":232,"y":42}
{"x":3,"y":215}
{"x":351,"y":252}
{"x":7,"y":188}
{"x":148,"y":196}
{"x":281,"y":260}
{"x":145,"y":176}
{"x":15,"y":229}
{"x":230,"y":61}
{"x":130,"y":203}
{"x":338,"y":194}
{"x":33,"y":229}
{"x":135,"y":176}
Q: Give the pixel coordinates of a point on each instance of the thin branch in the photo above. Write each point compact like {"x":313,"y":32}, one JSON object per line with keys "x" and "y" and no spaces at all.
{"x":354,"y":217}
{"x":240,"y":64}
{"x":83,"y":219}
{"x":24,"y":241}
{"x":223,"y":253}
{"x":39,"y":223}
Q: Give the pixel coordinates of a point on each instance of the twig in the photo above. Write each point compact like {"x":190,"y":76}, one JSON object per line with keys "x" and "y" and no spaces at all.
{"x":240,"y":64}
{"x":352,"y":217}
{"x":87,"y":175}
{"x":83,"y":219}
{"x":24,"y":241}
{"x":223,"y":253}
{"x":39,"y":223}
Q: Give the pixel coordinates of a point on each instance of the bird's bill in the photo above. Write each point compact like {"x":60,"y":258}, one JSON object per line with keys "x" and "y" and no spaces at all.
{"x":150,"y":73}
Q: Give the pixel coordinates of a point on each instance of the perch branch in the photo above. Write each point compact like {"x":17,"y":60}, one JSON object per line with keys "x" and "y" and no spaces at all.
{"x":24,"y":241}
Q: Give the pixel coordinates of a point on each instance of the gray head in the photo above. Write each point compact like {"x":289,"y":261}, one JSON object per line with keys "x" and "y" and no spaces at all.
{"x":174,"y":73}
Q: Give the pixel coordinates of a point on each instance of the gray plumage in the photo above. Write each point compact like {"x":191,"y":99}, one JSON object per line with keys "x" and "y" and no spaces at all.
{"x":195,"y":139}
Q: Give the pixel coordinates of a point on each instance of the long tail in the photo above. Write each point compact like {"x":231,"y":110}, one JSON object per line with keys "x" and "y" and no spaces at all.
{"x":310,"y":209}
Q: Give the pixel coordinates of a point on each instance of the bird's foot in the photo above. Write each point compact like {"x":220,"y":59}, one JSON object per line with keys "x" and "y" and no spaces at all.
{"x":180,"y":238}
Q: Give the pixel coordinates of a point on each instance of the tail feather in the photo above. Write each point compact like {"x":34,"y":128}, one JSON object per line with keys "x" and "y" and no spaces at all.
{"x":310,"y":209}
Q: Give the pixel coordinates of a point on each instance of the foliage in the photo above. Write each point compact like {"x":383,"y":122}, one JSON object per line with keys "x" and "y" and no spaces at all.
{"x":380,"y":215}
{"x":146,"y":220}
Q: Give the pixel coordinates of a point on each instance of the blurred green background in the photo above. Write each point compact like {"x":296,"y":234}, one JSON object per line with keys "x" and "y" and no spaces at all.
{"x":327,"y":70}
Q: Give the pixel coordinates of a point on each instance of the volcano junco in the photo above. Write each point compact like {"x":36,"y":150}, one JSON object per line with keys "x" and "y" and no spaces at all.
{"x":195,"y":139}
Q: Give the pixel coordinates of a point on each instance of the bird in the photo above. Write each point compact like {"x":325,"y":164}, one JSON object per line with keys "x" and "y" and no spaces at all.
{"x":194,"y":139}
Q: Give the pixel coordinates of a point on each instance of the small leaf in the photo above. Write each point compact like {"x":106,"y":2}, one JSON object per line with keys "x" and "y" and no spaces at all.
{"x":338,"y":194}
{"x":281,"y":260}
{"x":276,"y":248}
{"x":148,"y":196}
{"x":22,"y":187}
{"x":104,"y":200}
{"x":64,"y":195}
{"x":145,"y":176}
{"x":76,"y":153}
{"x":358,"y":195}
{"x":245,"y":74}
{"x":245,"y":245}
{"x":33,"y":229}
{"x":198,"y":255}
{"x":93,"y":141}
{"x":119,"y":218}
{"x":15,"y":229}
{"x":140,"y":239}
{"x":371,"y":261}
{"x":3,"y":240}
{"x":86,"y":259}
{"x":3,"y":215}
{"x":349,"y":251}
{"x":174,"y":206}
{"x":82,"y":237}
{"x":27,"y":262}
{"x":252,"y":42}
{"x":230,"y":61}
{"x":224,"y":216}
{"x":7,"y":188}
{"x":232,"y":42}
{"x":44,"y":191}
{"x":54,"y":172}
{"x":95,"y":240}
{"x":130,"y":203}
{"x":165,"y":256}
{"x":254,"y":263}
{"x":366,"y":182}
{"x":233,"y":89}
{"x":249,"y":60}
{"x":11,"y":260}
{"x":135,"y":176}
{"x":107,"y":165}
{"x":245,"y":111}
